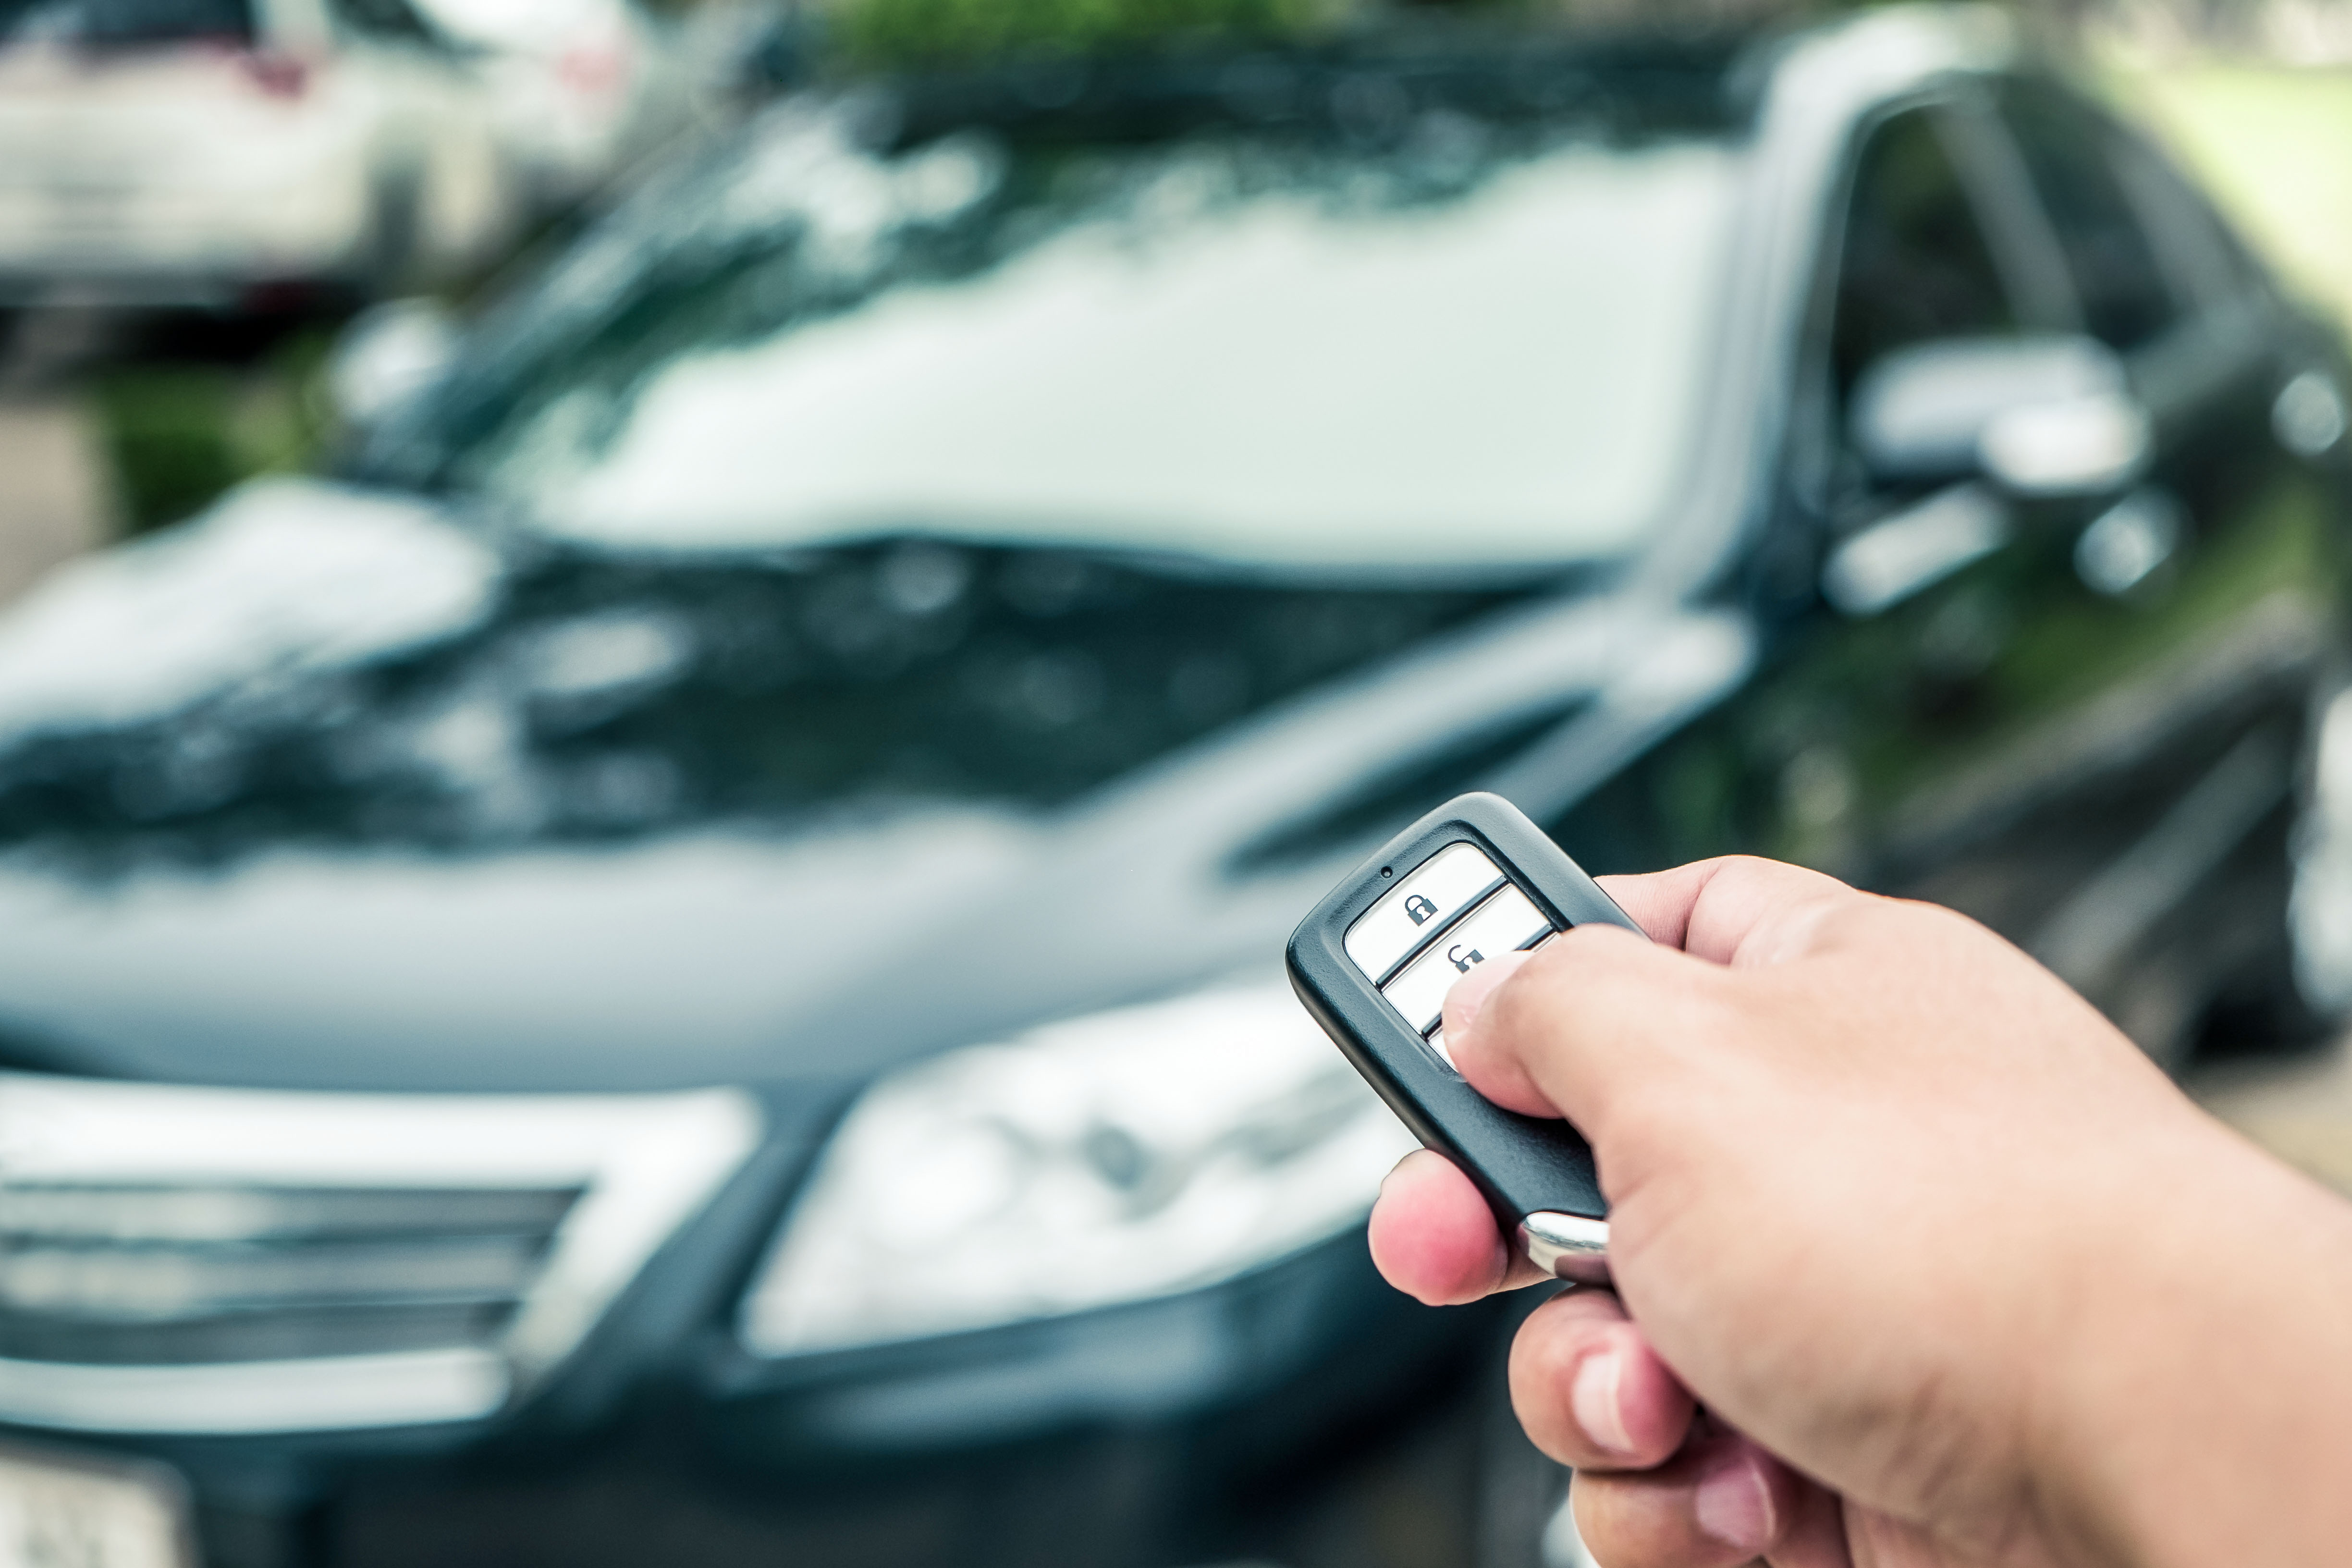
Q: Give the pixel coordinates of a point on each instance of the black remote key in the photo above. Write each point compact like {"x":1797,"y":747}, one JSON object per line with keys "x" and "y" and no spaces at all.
{"x":1373,"y":960}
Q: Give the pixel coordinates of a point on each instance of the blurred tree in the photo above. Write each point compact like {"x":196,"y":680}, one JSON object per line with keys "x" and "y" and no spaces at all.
{"x":167,"y":437}
{"x":912,"y":32}
{"x":178,"y":433}
{"x":886,"y":33}
{"x":890,"y":32}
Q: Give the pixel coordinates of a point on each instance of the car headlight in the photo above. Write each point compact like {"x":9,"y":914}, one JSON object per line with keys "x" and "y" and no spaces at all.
{"x":1119,"y":1156}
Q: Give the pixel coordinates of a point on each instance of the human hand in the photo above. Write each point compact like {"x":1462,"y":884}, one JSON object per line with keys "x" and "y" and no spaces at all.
{"x":1958,"y":1277}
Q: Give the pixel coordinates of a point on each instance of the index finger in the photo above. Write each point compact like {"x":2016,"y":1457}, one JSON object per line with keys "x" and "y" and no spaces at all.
{"x":1737,"y":910}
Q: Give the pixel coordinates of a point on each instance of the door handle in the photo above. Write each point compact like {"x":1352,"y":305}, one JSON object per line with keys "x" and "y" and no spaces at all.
{"x":1892,"y":559}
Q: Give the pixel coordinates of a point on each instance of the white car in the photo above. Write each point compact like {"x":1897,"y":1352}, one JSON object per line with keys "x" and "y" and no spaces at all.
{"x":238,"y":152}
{"x":579,"y":88}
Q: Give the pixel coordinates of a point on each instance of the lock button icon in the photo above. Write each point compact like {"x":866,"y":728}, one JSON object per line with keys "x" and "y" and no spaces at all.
{"x":1421,"y":909}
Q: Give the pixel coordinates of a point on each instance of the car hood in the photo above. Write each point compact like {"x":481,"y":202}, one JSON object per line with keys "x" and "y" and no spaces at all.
{"x":684,"y":961}
{"x":829,"y":951}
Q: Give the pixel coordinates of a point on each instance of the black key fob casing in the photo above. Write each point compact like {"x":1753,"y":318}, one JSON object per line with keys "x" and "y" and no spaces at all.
{"x":1372,"y":963}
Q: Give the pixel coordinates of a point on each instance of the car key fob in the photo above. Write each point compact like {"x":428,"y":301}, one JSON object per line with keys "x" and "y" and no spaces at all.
{"x":1372,"y":962}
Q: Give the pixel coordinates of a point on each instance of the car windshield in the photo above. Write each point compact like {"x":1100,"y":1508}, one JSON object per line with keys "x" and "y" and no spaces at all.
{"x":1467,"y":349}
{"x":929,"y":466}
{"x":124,"y":21}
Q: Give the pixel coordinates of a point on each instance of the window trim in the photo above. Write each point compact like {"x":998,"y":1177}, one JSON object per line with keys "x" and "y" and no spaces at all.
{"x":2205,"y":348}
{"x":1815,"y":441}
{"x":2189,"y":305}
{"x":2017,"y":226}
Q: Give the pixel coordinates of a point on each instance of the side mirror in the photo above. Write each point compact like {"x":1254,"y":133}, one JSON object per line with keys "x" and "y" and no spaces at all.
{"x":388,"y":354}
{"x":2039,"y":417}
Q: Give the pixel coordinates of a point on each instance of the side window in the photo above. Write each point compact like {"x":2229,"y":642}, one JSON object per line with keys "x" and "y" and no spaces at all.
{"x":2072,"y":155}
{"x":1914,"y":265}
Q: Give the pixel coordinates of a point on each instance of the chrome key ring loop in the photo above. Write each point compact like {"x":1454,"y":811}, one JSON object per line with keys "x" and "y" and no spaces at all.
{"x":1567,"y":1247}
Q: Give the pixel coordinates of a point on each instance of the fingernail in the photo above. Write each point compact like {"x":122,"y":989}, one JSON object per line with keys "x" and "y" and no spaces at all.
{"x":1592,"y":1397}
{"x":1468,"y":994}
{"x":1398,"y":1170}
{"x":1734,"y":1506}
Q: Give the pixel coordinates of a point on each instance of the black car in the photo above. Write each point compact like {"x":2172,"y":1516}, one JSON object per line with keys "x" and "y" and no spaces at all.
{"x":685,"y":961}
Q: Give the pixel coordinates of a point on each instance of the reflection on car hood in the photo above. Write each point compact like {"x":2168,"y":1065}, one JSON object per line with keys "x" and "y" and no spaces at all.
{"x":829,"y":939}
{"x":287,"y":577}
{"x":316,"y":666}
{"x":709,"y":958}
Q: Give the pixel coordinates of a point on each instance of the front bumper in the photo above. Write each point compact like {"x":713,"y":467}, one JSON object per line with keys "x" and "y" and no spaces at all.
{"x":629,"y":1420}
{"x":1228,"y":1424}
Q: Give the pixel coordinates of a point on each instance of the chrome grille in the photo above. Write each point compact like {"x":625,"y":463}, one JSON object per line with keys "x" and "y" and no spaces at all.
{"x":148,"y":1273}
{"x":214,"y":1260}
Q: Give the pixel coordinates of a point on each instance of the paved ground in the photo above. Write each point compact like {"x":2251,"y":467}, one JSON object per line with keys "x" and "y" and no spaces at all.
{"x":54,"y":503}
{"x":56,"y":498}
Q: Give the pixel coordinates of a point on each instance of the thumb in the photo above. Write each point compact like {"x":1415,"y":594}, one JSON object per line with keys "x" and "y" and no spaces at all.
{"x":1501,"y":1082}
{"x":1562,"y":1031}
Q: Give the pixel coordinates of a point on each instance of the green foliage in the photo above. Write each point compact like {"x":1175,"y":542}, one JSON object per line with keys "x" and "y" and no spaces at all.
{"x":896,"y":32}
{"x":177,"y":435}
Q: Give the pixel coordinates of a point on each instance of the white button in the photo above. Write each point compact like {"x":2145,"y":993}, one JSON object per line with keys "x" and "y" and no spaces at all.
{"x":1436,"y":1041}
{"x":1447,"y":883}
{"x":1503,"y":923}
